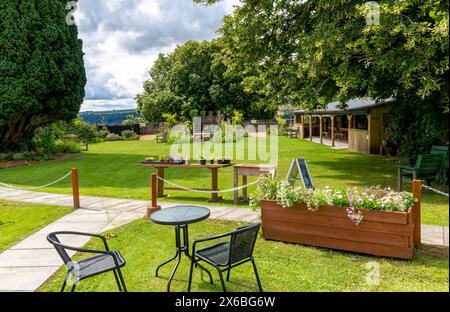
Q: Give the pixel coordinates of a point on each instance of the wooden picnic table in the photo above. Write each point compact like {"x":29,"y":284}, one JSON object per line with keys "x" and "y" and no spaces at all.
{"x":214,"y":168}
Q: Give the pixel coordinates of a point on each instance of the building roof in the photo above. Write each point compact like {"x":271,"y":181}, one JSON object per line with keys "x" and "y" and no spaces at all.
{"x":356,"y":105}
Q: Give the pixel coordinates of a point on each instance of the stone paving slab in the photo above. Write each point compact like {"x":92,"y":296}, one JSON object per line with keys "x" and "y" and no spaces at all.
{"x":24,"y":279}
{"x":39,"y":241}
{"x":30,"y":258}
{"x":50,"y":199}
{"x":435,"y":235}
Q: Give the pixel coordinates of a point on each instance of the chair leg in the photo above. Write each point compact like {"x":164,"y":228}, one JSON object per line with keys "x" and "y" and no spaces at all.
{"x":256,"y":274}
{"x":221,"y":279}
{"x":228,"y":273}
{"x":191,"y":271}
{"x":65,"y":282}
{"x":124,"y":287}
{"x":117,"y":280}
{"x":72,"y":289}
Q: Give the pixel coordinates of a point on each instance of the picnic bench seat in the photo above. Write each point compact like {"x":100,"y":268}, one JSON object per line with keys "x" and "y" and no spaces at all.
{"x":426,"y":168}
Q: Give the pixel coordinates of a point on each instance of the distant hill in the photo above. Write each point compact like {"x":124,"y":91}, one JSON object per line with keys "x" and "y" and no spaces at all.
{"x":113,"y":117}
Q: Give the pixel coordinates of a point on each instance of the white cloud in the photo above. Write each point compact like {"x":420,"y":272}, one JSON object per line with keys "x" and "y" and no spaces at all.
{"x":122,"y":39}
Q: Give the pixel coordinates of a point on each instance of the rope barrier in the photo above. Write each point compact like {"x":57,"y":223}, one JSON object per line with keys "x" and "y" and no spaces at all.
{"x":35,"y":187}
{"x":209,"y":192}
{"x":434,"y":190}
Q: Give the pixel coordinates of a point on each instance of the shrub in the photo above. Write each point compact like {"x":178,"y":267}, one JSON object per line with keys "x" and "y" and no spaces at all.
{"x":113,"y":137}
{"x":44,"y":138}
{"x":18,"y":156}
{"x":67,"y":147}
{"x":170,"y":119}
{"x":102,"y":133}
{"x":129,"y":135}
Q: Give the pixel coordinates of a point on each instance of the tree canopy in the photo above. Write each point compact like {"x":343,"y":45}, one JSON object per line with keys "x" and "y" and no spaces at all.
{"x":193,"y":78}
{"x":314,"y":52}
{"x":310,"y":53}
{"x":42,"y":75}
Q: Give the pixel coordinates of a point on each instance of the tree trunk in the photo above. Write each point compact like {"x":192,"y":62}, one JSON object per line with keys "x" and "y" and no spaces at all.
{"x":15,"y":130}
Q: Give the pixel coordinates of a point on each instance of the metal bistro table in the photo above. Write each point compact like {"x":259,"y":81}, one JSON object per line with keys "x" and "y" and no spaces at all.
{"x":180,"y":217}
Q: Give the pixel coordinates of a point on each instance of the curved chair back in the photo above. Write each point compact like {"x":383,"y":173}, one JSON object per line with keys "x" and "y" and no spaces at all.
{"x":243,"y":242}
{"x":53,"y":239}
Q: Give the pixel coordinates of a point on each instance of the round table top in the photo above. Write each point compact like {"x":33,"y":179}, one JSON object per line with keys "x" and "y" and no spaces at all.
{"x":179,"y":215}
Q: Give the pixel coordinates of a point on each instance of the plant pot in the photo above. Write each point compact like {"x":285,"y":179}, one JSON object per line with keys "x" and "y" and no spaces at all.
{"x":202,"y":162}
{"x":211,"y":161}
{"x":226,"y":162}
{"x":382,"y":233}
{"x":220,"y":161}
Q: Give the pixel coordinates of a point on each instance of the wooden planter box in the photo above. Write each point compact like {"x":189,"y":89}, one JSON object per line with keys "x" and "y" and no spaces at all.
{"x":382,"y":233}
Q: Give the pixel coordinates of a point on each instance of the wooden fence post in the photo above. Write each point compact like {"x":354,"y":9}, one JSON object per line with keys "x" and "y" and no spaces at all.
{"x":154,"y":204}
{"x":75,"y":189}
{"x":417,"y":192}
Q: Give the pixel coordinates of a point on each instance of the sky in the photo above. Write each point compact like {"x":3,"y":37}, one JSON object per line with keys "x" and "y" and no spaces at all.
{"x":122,"y":39}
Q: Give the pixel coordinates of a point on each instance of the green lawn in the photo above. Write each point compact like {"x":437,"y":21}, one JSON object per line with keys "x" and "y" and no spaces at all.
{"x":19,"y":220}
{"x":113,"y":169}
{"x":282,"y":267}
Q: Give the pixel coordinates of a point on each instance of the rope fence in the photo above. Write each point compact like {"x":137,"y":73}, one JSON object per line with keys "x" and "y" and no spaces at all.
{"x":434,"y":190}
{"x":75,"y":186}
{"x":35,"y":187}
{"x":207,"y":191}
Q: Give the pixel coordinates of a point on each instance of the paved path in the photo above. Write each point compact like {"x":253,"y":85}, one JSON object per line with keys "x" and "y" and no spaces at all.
{"x":27,"y":265}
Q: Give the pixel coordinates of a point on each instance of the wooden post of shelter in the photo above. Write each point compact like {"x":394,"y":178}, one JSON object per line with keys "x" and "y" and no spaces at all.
{"x":310,"y":128}
{"x":332,"y":130}
{"x":302,"y":126}
{"x":321,"y":129}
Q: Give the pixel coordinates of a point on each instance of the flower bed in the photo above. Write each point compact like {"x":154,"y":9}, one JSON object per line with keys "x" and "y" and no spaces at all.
{"x":373,"y":220}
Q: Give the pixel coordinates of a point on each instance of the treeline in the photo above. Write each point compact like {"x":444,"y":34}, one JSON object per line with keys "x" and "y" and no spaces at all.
{"x":114,"y":117}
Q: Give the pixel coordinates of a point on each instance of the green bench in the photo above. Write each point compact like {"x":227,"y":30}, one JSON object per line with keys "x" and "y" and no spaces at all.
{"x":442,"y":174}
{"x":426,"y":168}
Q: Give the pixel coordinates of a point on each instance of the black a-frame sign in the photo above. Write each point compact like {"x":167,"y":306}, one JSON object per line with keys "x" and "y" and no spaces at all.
{"x":300,"y":167}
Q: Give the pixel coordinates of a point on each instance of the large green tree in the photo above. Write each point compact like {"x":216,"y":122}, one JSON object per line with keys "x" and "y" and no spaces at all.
{"x":313,"y":52}
{"x":42,"y":75}
{"x":193,"y":78}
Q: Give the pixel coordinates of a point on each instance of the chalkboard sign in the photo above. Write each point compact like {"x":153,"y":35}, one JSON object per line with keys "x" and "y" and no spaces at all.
{"x":300,"y":167}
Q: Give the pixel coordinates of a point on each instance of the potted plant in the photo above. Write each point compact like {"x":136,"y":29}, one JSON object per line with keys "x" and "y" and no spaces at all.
{"x":211,"y":161}
{"x":373,"y":220}
{"x":202,"y":161}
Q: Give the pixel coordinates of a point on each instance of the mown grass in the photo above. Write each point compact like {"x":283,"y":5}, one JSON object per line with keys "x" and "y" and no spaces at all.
{"x":19,"y":220}
{"x":282,"y":267}
{"x":113,"y":169}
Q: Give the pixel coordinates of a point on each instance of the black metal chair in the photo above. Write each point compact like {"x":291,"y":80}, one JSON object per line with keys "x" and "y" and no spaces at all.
{"x":104,"y":261}
{"x":226,"y":255}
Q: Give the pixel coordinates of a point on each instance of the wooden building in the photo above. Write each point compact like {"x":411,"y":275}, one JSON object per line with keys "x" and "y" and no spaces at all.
{"x":361,"y":124}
